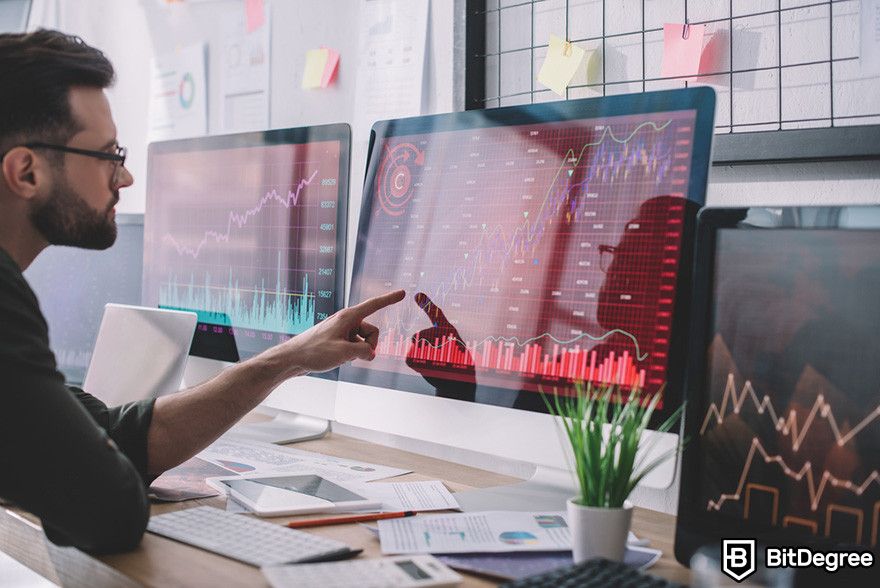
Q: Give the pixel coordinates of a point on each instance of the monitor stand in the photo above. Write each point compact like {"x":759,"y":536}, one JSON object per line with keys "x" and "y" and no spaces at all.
{"x":284,"y":427}
{"x":547,"y":490}
{"x":281,"y":427}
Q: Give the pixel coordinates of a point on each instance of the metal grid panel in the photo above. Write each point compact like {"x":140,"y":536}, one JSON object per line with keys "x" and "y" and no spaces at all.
{"x":777,"y":65}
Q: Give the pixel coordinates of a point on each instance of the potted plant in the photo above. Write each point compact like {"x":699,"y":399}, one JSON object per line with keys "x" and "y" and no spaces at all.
{"x":604,"y":428}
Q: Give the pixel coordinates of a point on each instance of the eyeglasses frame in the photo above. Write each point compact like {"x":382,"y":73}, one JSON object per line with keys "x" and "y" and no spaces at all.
{"x":118,"y":158}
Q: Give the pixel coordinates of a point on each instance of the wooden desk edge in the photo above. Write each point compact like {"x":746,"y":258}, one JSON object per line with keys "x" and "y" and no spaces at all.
{"x":181,"y":565}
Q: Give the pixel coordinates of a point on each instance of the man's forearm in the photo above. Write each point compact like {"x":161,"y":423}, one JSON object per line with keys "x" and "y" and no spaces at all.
{"x":186,"y":422}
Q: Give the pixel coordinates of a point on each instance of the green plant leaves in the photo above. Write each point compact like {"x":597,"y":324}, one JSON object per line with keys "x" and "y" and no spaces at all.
{"x":604,"y":429}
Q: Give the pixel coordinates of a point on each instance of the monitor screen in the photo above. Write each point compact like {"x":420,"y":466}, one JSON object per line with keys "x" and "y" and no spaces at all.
{"x":248,"y":231}
{"x":788,"y":442}
{"x":73,"y":285}
{"x":540,"y":246}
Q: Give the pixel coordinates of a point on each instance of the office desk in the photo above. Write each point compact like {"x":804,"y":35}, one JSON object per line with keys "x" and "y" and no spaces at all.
{"x":162,"y":562}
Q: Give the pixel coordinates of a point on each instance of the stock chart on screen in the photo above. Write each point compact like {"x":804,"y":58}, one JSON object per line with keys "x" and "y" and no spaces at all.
{"x":244,"y":232}
{"x":790,"y":435}
{"x":535,"y":255}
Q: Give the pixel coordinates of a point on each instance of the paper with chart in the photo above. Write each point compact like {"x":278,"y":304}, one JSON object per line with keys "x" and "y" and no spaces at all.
{"x":178,"y":96}
{"x":417,"y":496}
{"x":392,"y":60}
{"x":245,"y":457}
{"x":187,"y":481}
{"x":869,"y":55}
{"x":476,"y":532}
{"x":245,"y":73}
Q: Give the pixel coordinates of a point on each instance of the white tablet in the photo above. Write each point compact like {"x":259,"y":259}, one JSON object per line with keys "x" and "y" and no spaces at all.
{"x":273,"y":495}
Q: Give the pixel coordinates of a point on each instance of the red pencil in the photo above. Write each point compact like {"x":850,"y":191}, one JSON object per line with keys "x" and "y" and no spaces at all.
{"x":376,"y":516}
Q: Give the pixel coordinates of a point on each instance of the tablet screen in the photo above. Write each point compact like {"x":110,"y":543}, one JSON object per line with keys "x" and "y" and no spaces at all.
{"x":310,"y":485}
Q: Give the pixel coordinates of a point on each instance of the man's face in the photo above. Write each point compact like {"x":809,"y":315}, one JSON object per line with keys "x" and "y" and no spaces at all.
{"x":78,"y":209}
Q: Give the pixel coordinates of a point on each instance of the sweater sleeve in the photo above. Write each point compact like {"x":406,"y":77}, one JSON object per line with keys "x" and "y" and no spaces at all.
{"x":127,"y":425}
{"x":57,"y":462}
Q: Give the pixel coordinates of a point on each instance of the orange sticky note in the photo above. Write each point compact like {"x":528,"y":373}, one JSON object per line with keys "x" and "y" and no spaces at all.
{"x":682,"y":47}
{"x":256,"y":14}
{"x":330,"y":68}
{"x":313,"y":73}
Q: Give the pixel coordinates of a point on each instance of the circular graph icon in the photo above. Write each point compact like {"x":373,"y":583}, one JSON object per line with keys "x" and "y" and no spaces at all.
{"x":394,"y":181}
{"x":186,"y":91}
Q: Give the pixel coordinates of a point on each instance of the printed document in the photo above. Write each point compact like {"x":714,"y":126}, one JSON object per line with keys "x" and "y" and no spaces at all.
{"x":243,"y":456}
{"x":476,"y":532}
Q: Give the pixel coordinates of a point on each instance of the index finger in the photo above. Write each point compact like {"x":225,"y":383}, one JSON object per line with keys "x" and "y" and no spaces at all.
{"x":432,"y":310}
{"x":371,"y":305}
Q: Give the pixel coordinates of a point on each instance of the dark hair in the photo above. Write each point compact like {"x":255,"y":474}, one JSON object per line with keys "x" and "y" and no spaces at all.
{"x":37,"y":71}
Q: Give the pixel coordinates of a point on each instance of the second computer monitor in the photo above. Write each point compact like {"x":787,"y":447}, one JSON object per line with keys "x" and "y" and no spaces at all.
{"x":541,"y":247}
{"x":248,"y":231}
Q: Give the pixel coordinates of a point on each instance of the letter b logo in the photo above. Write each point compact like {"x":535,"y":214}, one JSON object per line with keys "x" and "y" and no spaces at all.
{"x":738,"y":558}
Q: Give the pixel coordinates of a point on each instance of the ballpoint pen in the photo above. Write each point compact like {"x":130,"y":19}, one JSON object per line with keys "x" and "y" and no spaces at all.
{"x":357,"y":518}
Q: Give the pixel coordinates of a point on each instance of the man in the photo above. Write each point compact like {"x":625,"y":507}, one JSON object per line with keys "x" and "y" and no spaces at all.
{"x":80,"y":466}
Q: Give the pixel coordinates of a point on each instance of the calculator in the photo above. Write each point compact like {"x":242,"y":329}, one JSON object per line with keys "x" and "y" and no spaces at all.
{"x":408,"y":571}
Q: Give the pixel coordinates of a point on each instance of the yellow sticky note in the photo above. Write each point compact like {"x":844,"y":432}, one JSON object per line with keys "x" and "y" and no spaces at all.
{"x":316,"y":60}
{"x":562,"y":61}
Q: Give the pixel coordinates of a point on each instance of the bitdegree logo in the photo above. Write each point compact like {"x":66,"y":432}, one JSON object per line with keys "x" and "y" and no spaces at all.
{"x":738,"y":558}
{"x":802,"y":557}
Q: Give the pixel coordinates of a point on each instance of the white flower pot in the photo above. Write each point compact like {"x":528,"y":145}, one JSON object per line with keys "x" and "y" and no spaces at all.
{"x":598,"y":532}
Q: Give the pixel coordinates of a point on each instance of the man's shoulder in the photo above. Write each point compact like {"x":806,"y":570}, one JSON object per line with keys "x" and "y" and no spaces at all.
{"x":20,"y":312}
{"x":14,"y":288}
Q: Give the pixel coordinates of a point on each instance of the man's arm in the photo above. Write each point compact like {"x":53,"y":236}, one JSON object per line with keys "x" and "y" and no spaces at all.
{"x":185,"y":423}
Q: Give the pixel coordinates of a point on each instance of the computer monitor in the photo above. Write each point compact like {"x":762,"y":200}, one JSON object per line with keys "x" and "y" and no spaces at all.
{"x":540,"y":246}
{"x":73,"y":285}
{"x":14,"y":15}
{"x":248,"y":231}
{"x":784,"y":411}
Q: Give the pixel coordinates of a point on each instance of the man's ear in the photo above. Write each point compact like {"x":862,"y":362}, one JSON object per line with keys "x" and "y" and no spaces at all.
{"x":23,"y":172}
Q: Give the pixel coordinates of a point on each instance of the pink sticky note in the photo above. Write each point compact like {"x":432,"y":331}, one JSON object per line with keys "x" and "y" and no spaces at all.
{"x":256,"y":14}
{"x":330,"y":68}
{"x":682,"y":47}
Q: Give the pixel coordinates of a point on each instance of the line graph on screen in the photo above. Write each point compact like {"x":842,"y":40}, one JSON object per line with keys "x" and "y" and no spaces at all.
{"x":246,"y":238}
{"x":805,"y":473}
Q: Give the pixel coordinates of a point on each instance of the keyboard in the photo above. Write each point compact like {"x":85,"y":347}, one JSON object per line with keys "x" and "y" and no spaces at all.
{"x":598,"y":573}
{"x":246,"y":539}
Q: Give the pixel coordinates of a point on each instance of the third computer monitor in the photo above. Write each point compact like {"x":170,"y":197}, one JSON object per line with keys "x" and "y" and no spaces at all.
{"x":542,"y":247}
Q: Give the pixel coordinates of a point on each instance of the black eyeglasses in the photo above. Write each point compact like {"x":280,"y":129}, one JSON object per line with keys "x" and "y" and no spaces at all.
{"x":118,"y":157}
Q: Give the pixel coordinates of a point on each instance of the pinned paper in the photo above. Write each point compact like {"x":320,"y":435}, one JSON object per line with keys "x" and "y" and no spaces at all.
{"x":316,"y":61}
{"x":682,"y":48}
{"x":330,"y":68}
{"x":256,"y":14}
{"x":869,"y":56}
{"x":562,"y":61}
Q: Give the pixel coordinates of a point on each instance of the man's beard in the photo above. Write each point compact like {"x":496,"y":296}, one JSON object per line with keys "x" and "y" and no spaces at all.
{"x":64,"y":218}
